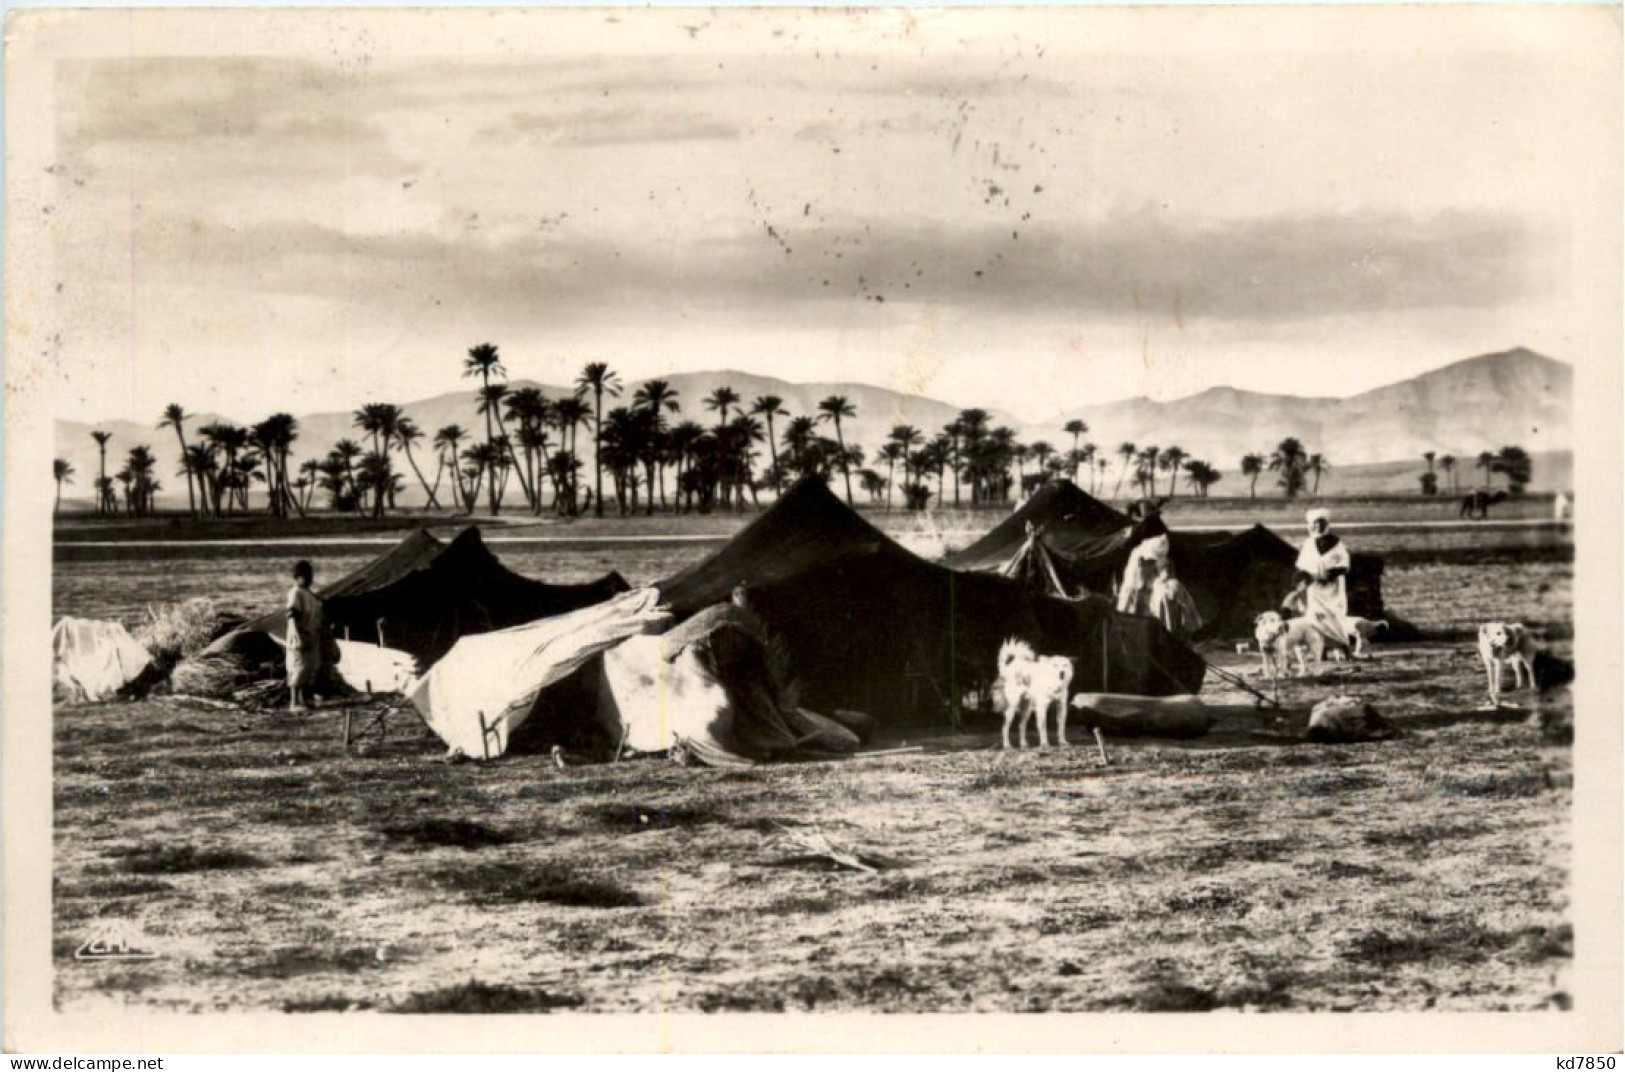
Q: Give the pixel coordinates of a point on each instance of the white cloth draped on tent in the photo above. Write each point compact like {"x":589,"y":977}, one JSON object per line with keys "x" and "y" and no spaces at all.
{"x":92,"y":660}
{"x":486,"y":685}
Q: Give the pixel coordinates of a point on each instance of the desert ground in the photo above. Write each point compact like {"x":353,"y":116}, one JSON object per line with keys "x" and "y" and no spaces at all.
{"x":271,"y":870}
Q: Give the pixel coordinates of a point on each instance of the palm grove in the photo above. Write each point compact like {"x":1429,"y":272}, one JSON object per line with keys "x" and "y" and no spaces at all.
{"x":524,"y":450}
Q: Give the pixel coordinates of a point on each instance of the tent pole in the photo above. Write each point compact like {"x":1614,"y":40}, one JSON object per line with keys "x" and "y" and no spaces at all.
{"x":1105,"y":655}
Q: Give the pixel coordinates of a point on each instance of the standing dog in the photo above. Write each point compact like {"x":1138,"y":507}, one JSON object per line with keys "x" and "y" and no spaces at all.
{"x":1502,"y":644}
{"x":1279,"y":639}
{"x":1032,"y":684}
{"x":1360,"y":631}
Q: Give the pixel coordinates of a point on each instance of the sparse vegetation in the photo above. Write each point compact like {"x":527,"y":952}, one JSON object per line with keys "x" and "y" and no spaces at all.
{"x":1186,"y":875}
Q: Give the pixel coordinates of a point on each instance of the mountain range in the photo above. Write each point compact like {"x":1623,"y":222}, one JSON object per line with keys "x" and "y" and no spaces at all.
{"x":1481,"y":403}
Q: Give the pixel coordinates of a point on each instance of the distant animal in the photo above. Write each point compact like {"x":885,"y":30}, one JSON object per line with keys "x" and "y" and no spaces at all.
{"x":1279,"y":639}
{"x":1031,"y":684}
{"x":1360,"y":631}
{"x":1478,"y":503}
{"x":1503,"y":644}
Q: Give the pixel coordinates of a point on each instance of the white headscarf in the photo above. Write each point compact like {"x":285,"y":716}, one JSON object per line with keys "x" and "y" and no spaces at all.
{"x":1317,"y":514}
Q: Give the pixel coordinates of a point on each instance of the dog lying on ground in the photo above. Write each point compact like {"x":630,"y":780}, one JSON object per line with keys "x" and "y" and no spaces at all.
{"x":1502,"y":644}
{"x":1279,"y":639}
{"x":1032,"y":684}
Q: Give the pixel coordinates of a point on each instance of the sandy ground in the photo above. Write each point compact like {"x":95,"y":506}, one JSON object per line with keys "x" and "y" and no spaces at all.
{"x":1248,"y":869}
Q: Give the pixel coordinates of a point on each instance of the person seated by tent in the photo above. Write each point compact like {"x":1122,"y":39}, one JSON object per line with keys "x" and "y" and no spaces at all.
{"x":1140,"y":574}
{"x":1322,"y":579}
{"x":305,"y":633}
{"x":1172,"y":604}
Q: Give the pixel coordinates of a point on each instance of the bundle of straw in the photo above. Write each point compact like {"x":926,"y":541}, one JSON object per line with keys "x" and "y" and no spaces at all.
{"x":176,"y":631}
{"x":213,"y":676}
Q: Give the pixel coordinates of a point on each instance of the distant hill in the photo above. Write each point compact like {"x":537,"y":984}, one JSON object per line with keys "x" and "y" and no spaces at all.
{"x":1481,"y":403}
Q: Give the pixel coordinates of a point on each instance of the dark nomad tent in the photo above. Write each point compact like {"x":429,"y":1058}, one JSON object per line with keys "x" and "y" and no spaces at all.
{"x":1069,"y":516}
{"x":1234,"y":576}
{"x":871,"y":627}
{"x":425,"y":594}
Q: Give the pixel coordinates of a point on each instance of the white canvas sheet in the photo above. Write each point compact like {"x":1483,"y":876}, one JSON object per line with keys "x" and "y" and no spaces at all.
{"x":484,"y":687}
{"x":93,"y":660}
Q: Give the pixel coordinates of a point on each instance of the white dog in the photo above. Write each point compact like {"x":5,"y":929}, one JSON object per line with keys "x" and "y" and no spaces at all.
{"x":1280,"y":639}
{"x":1032,"y":684}
{"x":1360,"y":631}
{"x":1502,"y":644}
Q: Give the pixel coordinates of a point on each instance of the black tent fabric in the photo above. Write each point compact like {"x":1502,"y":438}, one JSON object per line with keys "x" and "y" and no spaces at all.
{"x":871,"y":627}
{"x":426,"y":594}
{"x":414,"y":552}
{"x":463,"y":591}
{"x":1067,"y":514}
{"x":1232,"y":576}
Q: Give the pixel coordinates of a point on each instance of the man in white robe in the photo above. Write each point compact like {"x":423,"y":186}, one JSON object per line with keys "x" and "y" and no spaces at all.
{"x":1322,"y":576}
{"x":1140,"y":575}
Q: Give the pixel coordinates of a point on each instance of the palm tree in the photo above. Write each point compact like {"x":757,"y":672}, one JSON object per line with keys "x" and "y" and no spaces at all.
{"x":484,"y":361}
{"x":834,"y":408}
{"x":973,"y":438}
{"x":531,"y":410}
{"x":1126,"y":451}
{"x":486,"y":460}
{"x":1040,"y":452}
{"x":103,"y":488}
{"x":892,"y":453}
{"x":657,"y":395}
{"x":201,"y":460}
{"x":798,"y":437}
{"x":1289,"y":459}
{"x":1251,"y":466}
{"x":1318,"y":464}
{"x":310,"y":478}
{"x":872,"y":483}
{"x":1428,"y":456}
{"x":718,"y":402}
{"x":657,"y":398}
{"x":1517,"y":466}
{"x":1086,"y":458}
{"x":491,"y":399}
{"x":140,"y":464}
{"x":952,"y":438}
{"x":446,"y":442}
{"x":175,"y":417}
{"x":1170,"y":462}
{"x":1448,"y":464}
{"x":1075,"y":428}
{"x":1145,"y":469}
{"x":63,"y":474}
{"x":227,"y":439}
{"x":600,"y":380}
{"x":347,"y":451}
{"x":767,"y":407}
{"x":1201,"y":476}
{"x":742,"y":431}
{"x":1486,"y":462}
{"x":569,"y":414}
{"x":682,"y":442}
{"x":263,"y":437}
{"x":407,"y":432}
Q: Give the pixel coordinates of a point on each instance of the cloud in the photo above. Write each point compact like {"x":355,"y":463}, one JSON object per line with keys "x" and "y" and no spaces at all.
{"x":613,"y":126}
{"x":1262,"y":271}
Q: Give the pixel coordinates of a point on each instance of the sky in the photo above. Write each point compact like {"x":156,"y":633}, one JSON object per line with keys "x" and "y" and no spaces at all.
{"x":1025,"y":210}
